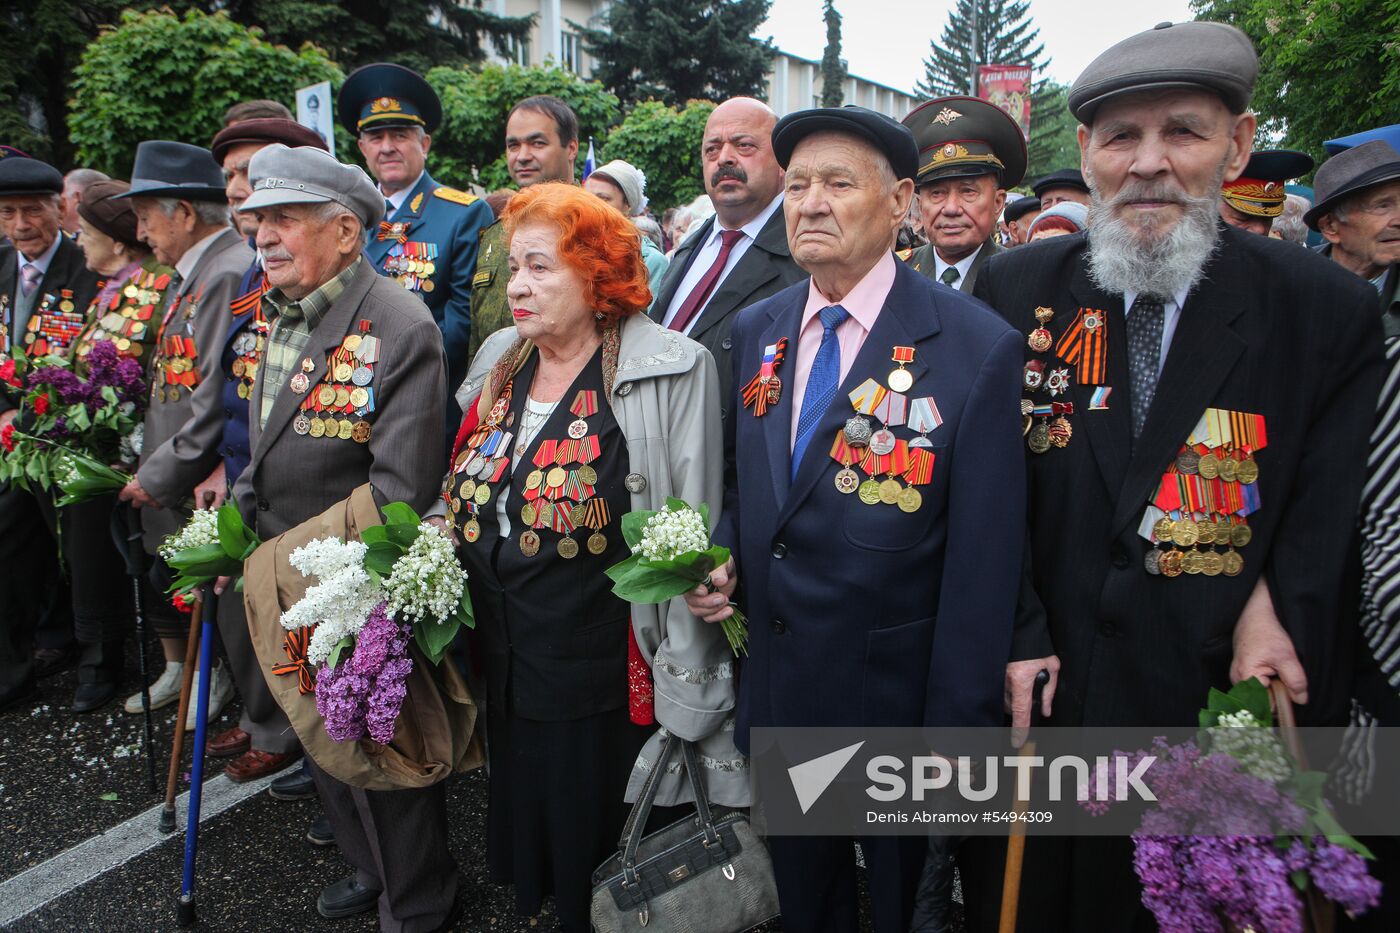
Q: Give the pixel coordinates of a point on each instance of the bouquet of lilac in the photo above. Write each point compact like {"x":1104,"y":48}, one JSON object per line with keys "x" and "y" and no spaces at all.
{"x":1239,"y":833}
{"x":72,"y":432}
{"x":399,"y":585}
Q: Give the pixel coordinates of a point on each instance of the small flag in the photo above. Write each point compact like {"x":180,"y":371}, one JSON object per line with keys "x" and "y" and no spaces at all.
{"x":1099,"y":400}
{"x":589,"y":162}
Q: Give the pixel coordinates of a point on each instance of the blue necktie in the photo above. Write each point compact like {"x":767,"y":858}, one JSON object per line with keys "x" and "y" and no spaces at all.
{"x":821,"y":382}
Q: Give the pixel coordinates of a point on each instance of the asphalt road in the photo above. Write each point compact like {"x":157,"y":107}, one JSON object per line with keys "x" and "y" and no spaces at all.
{"x":65,"y":779}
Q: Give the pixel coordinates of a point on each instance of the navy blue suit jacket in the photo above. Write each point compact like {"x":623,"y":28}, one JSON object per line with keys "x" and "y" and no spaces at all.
{"x":864,"y":614}
{"x":235,"y":441}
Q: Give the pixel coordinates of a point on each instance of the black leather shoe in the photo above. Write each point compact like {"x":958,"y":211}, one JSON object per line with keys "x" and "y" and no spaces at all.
{"x":345,"y":899}
{"x":321,"y":833}
{"x":295,"y":785}
{"x":89,"y":697}
{"x":49,"y":661}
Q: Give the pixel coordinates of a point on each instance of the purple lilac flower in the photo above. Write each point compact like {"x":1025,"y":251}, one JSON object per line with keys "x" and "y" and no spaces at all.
{"x":340,"y":699}
{"x":66,"y":386}
{"x":381,"y":656}
{"x":106,"y":367}
{"x":390,"y":689}
{"x":1342,"y":876}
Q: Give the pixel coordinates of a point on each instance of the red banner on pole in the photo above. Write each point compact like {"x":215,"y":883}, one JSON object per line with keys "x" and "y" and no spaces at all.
{"x":1007,"y":87}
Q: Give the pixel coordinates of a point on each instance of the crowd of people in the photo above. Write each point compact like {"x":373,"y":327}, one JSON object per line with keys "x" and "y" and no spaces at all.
{"x":988,"y":511}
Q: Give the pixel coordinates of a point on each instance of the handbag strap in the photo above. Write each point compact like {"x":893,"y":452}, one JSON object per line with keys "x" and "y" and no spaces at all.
{"x":633,"y":830}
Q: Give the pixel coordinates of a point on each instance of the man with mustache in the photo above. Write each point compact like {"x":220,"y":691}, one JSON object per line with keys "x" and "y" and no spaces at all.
{"x":427,"y":241}
{"x":740,"y":255}
{"x":541,"y":145}
{"x":970,"y":152}
{"x":1179,"y":349}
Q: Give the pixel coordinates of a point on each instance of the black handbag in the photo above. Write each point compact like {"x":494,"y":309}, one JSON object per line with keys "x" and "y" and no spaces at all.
{"x":706,"y":873}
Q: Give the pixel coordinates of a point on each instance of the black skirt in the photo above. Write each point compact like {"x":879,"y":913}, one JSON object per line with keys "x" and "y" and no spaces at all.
{"x":556,"y":805}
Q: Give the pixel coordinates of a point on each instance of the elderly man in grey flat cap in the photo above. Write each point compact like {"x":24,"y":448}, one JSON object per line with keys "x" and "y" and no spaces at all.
{"x":1187,"y":340}
{"x":325,"y":299}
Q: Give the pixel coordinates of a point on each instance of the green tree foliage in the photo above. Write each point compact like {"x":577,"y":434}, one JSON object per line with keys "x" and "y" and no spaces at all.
{"x":421,"y":34}
{"x":1006,"y":35}
{"x":471,"y":141}
{"x":1326,"y":69}
{"x":163,"y":76}
{"x":833,"y":68}
{"x":664,"y":142}
{"x":680,"y":50}
{"x":1057,"y":136}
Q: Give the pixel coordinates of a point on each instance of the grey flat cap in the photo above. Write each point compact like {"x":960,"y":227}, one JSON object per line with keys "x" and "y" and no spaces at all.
{"x":1200,"y":56}
{"x":304,"y":175}
{"x":1350,"y":172}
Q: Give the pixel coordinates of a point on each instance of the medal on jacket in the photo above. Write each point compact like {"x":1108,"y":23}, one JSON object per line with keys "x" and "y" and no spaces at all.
{"x":890,"y":411}
{"x":900,"y":380}
{"x":923,"y":417}
{"x":1040,"y":339}
{"x":302,"y":380}
{"x":584,"y":406}
{"x":1084,"y":345}
{"x":766,"y":388}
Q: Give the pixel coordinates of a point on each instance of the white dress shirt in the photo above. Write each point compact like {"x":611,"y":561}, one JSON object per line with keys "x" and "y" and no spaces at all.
{"x":185,"y":267}
{"x":962,"y":265}
{"x":1171,"y":316}
{"x":705,"y":255}
{"x":397,"y":198}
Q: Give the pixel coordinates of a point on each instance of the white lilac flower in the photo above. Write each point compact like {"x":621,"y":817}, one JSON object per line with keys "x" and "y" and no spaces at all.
{"x":201,"y":529}
{"x":342,"y":599}
{"x":1247,"y":740}
{"x":669,"y":534}
{"x":427,"y":581}
{"x":132,"y":443}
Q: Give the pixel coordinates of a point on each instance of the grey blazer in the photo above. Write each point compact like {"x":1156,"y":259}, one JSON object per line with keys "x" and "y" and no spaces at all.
{"x":293,"y":477}
{"x":180,"y":447}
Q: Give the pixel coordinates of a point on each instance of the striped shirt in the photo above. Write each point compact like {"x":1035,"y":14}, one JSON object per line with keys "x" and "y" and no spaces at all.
{"x":1380,"y":527}
{"x":292,"y":324}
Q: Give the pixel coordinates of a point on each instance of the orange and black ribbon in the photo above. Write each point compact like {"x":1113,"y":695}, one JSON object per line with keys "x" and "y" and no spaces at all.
{"x":1084,"y":345}
{"x":296,"y":643}
{"x":393,"y":231}
{"x":755,"y":394}
{"x":250,"y":300}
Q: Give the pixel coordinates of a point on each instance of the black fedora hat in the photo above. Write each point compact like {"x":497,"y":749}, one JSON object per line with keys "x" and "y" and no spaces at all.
{"x":1348,"y":172}
{"x":166,"y":169}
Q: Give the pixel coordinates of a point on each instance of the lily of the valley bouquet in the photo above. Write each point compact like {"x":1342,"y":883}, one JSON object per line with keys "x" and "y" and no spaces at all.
{"x":671,"y":555}
{"x":399,"y":584}
{"x":80,"y":435}
{"x":213,"y":543}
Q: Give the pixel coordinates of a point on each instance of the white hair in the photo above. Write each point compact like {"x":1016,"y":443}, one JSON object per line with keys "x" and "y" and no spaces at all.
{"x":1289,"y":224}
{"x":1124,"y":259}
{"x":210,"y":213}
{"x":328,"y":211}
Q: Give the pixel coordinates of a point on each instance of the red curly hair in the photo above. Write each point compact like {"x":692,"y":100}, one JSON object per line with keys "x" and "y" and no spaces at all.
{"x":595,"y":240}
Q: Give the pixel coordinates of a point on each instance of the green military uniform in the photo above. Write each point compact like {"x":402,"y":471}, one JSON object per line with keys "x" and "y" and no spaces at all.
{"x":490,"y":307}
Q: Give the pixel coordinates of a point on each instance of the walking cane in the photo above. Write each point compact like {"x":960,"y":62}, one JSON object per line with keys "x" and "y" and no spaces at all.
{"x":185,"y":912}
{"x":126,"y":533}
{"x":177,"y":751}
{"x":1016,"y":842}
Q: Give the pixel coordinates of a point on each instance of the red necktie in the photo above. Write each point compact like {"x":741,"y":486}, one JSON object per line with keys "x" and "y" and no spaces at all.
{"x":701,"y":292}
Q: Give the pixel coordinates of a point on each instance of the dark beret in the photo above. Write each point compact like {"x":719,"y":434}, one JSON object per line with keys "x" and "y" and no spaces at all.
{"x":266,"y":130}
{"x":1198,"y":56}
{"x":1019,"y":208}
{"x":20,"y":178}
{"x":112,"y":216}
{"x":1349,"y":172}
{"x":885,"y":134}
{"x":1064,"y":178}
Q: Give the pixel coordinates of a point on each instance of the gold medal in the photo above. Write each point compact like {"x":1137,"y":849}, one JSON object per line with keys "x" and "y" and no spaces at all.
{"x":529,"y":544}
{"x":910,"y":499}
{"x":1241,"y":535}
{"x":1185,"y":533}
{"x":587,"y":475}
{"x":1040,"y":340}
{"x":317,"y":428}
{"x":556,"y":477}
{"x":847,"y":481}
{"x":1162,"y":530}
{"x":342,"y":397}
{"x":482,"y":494}
{"x":471,"y":531}
{"x":1209,"y":466}
{"x":1192,"y":562}
{"x":889,"y":491}
{"x":360,"y":433}
{"x":1212,"y":564}
{"x":528,"y":514}
{"x":1170,"y":564}
{"x":427,"y":285}
{"x":172,"y":394}
{"x":567,"y":548}
{"x":332,"y":428}
{"x":869,"y":492}
{"x":1039,"y":438}
{"x":576,"y":514}
{"x":597,"y":544}
{"x":454,"y":505}
{"x":1205,"y":532}
{"x":352,"y":342}
{"x":347,"y":430}
{"x":359,"y":397}
{"x":1248,"y":471}
{"x":1229,"y":469}
{"x":468,"y":489}
{"x":1233,"y":563}
{"x":534,"y":479}
{"x":343,"y":372}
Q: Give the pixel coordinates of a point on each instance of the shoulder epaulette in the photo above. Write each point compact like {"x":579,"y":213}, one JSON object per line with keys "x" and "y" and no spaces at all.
{"x":455,"y":196}
{"x":904,"y":254}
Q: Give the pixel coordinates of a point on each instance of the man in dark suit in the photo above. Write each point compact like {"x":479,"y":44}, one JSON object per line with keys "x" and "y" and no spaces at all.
{"x":740,"y":255}
{"x":325,"y":299}
{"x":1188,"y":350}
{"x":870,"y":603}
{"x":970,"y":152}
{"x":42,"y":273}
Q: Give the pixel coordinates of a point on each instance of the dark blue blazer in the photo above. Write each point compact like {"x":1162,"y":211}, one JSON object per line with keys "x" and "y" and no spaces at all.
{"x":454,"y":229}
{"x":867,"y":615}
{"x":234,"y":448}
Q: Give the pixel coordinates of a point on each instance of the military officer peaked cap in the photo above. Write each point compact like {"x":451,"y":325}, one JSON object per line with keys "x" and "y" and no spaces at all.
{"x":384,"y":95}
{"x":26,"y":177}
{"x":1190,"y":56}
{"x":166,"y":169}
{"x":961,"y":137}
{"x":1259,"y":192}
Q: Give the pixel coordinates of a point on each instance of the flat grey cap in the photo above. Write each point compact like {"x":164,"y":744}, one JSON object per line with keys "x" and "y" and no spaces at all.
{"x":1351,"y":172}
{"x":305,"y":175}
{"x":1198,"y":56}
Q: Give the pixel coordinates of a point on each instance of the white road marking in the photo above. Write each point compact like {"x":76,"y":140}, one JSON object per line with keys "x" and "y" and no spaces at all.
{"x":34,"y":887}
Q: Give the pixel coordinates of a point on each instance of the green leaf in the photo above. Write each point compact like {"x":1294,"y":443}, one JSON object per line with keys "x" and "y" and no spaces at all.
{"x":624,"y":567}
{"x":435,"y":637}
{"x":400,"y":513}
{"x":633,"y":524}
{"x":403,"y":534}
{"x":648,"y":585}
{"x":1300,"y":879}
{"x":109,"y":796}
{"x":345,"y":644}
{"x":374,"y":534}
{"x":466,"y":613}
{"x":233,"y":534}
{"x":677,"y":505}
{"x":1253,"y":696}
{"x":380,"y":557}
{"x":208,"y":558}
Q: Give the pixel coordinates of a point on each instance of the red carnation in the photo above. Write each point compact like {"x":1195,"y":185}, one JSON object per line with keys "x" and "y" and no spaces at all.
{"x":41,"y":404}
{"x":7,"y":437}
{"x":179,"y":602}
{"x":7,"y":372}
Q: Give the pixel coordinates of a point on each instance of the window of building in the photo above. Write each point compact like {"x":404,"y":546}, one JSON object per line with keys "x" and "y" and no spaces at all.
{"x":517,"y":51}
{"x":569,"y":56}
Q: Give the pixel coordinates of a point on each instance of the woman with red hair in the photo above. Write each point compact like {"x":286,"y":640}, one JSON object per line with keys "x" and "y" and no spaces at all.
{"x":583,"y":411}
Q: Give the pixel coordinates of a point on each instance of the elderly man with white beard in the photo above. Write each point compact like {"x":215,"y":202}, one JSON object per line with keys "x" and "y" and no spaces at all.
{"x":1198,"y":401}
